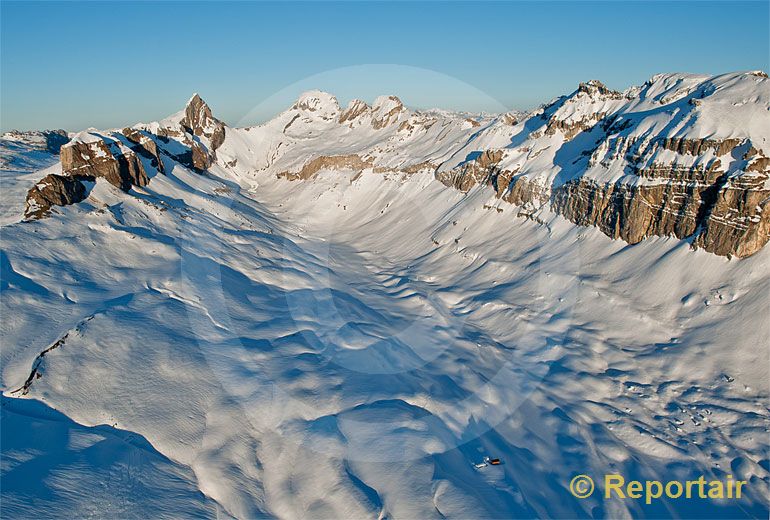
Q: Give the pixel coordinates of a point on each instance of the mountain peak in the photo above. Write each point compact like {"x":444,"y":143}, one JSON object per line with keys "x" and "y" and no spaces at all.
{"x":197,"y":110}
{"x":355,"y":108}
{"x":595,"y":87}
{"x":387,"y":103}
{"x":386,"y":110}
{"x":317,"y":101}
{"x":199,"y":121}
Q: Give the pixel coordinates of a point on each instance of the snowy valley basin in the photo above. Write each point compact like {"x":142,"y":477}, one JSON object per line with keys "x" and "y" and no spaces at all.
{"x":372,"y":311}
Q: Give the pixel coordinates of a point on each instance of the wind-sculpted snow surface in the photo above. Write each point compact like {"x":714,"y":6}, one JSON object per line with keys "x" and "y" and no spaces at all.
{"x":23,"y":157}
{"x":351,"y":344}
{"x":55,"y":468}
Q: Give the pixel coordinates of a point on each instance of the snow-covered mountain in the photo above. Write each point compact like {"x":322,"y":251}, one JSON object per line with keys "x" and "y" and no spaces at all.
{"x":683,"y":155}
{"x":339,"y":312}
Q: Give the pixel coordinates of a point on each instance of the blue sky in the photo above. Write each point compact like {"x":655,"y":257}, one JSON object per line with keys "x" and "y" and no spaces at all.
{"x":73,"y":65}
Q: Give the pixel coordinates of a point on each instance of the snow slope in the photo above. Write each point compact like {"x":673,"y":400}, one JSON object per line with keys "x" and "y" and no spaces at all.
{"x":23,"y":155}
{"x":349,"y":346}
{"x":55,"y":468}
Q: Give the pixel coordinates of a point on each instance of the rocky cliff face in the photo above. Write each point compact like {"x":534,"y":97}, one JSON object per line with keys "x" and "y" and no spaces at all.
{"x":91,"y":155}
{"x":199,"y":121}
{"x":208,"y":133}
{"x":608,"y":159}
{"x":146,"y":146}
{"x":738,"y":220}
{"x":481,"y":169}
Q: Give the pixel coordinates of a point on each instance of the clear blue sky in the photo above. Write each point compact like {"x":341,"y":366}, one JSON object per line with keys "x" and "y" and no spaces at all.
{"x":73,"y":65}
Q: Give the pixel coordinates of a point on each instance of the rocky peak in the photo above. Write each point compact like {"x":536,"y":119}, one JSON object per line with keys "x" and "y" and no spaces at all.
{"x":582,"y":109}
{"x":595,"y":88}
{"x":199,"y":121}
{"x":386,"y":110}
{"x":355,"y":108}
{"x":317,"y":101}
{"x":387,"y":104}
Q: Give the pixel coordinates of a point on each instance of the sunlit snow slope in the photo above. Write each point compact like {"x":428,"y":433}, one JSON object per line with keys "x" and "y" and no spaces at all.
{"x":349,"y":345}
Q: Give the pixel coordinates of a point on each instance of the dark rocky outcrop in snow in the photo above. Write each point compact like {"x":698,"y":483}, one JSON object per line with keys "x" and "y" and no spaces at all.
{"x":145,"y":145}
{"x":54,"y":190}
{"x":116,"y":163}
{"x":199,"y":121}
{"x":127,"y":158}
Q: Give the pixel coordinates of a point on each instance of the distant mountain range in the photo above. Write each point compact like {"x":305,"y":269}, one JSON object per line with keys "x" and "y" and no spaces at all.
{"x":682,"y":155}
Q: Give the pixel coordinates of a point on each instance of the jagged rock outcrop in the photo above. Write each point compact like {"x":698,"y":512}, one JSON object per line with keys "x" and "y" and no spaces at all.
{"x":354,"y":109}
{"x":520,"y":190}
{"x":54,"y":190}
{"x":385,"y":111}
{"x":199,"y":121}
{"x":129,"y":157}
{"x":201,"y":132}
{"x":90,"y":155}
{"x":146,"y":146}
{"x":201,"y":158}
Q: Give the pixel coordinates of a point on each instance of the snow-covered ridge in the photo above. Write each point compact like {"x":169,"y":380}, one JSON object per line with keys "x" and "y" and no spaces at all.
{"x":683,"y":155}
